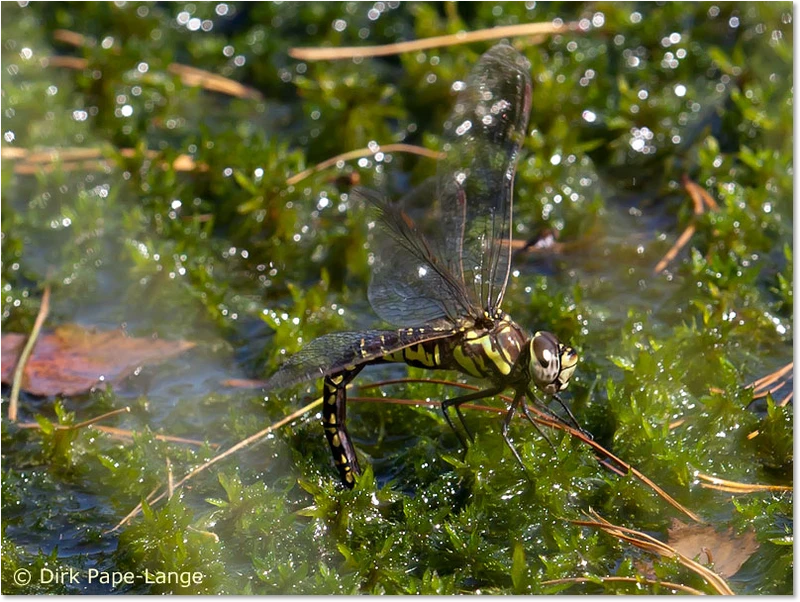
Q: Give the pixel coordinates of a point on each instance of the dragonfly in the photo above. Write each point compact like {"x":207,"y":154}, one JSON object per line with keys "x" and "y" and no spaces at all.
{"x":440,"y":272}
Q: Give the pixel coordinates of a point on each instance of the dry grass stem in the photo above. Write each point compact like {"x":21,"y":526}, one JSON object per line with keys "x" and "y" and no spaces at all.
{"x":127,"y":434}
{"x":190,"y":76}
{"x":701,"y":202}
{"x":764,"y":385}
{"x":85,"y":423}
{"x":243,"y":383}
{"x":651,"y":544}
{"x":194,"y":77}
{"x":435,"y":381}
{"x":31,"y":169}
{"x":543,"y":420}
{"x":66,"y":62}
{"x":79,"y":425}
{"x":19,"y":371}
{"x":113,"y":431}
{"x":637,"y":581}
{"x":711,"y":482}
{"x":231,"y":450}
{"x":12,"y":153}
{"x":364,"y":152}
{"x":85,"y":159}
{"x":549,"y":245}
{"x":675,"y":248}
{"x":627,"y":468}
{"x":493,"y":33}
{"x":72,"y":38}
{"x":700,"y":196}
{"x":766,"y":381}
{"x":170,"y":479}
{"x":63,"y":154}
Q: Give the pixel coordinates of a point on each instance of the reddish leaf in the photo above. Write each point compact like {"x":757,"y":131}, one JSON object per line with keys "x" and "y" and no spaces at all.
{"x":72,"y":360}
{"x":724,"y":550}
{"x":243,"y":383}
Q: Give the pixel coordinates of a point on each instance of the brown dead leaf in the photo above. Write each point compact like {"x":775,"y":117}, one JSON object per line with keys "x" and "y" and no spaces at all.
{"x":725,"y":550}
{"x":244,"y":383}
{"x":72,"y":360}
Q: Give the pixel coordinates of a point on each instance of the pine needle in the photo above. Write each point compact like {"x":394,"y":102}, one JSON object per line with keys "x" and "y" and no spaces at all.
{"x":464,"y":37}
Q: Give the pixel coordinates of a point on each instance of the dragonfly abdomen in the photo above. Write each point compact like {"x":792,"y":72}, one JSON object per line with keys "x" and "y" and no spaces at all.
{"x":422,"y":355}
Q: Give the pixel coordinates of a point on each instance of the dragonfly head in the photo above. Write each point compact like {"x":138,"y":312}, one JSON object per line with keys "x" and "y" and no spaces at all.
{"x":551,"y":362}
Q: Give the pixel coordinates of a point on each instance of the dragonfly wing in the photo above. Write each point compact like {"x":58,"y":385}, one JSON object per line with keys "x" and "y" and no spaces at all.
{"x":444,"y":251}
{"x":483,"y":137}
{"x":411,"y":283}
{"x":331,"y":353}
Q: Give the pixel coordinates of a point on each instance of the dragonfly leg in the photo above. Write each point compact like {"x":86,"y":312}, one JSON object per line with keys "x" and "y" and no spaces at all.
{"x":572,"y":418}
{"x":518,"y":398}
{"x":526,"y":411}
{"x":464,"y":424}
{"x":457,"y":401}
{"x":334,"y":415}
{"x":548,"y":411}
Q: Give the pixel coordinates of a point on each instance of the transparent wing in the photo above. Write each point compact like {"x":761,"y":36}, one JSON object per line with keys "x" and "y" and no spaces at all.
{"x":413,"y":281}
{"x":332,"y":352}
{"x":447,"y":252}
{"x":483,"y":137}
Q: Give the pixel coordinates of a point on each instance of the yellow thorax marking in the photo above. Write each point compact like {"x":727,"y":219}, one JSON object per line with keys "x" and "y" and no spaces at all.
{"x":479,"y":361}
{"x":502,"y":349}
{"x":492,"y":354}
{"x":465,"y":362}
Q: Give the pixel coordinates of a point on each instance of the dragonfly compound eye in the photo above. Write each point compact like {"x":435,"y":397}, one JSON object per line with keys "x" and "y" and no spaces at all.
{"x":545,"y":363}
